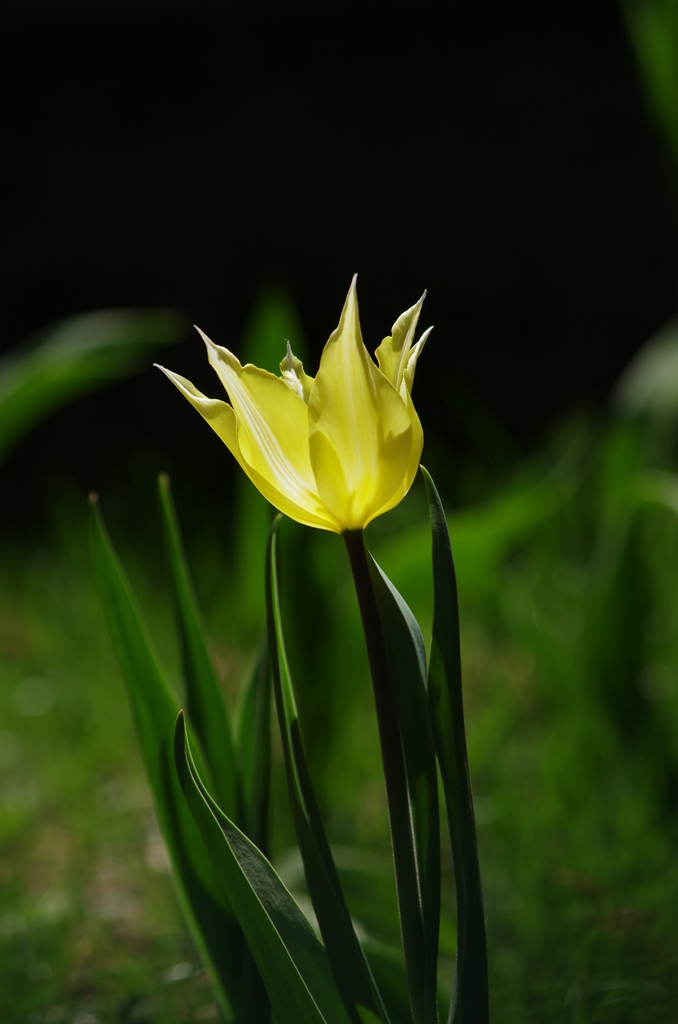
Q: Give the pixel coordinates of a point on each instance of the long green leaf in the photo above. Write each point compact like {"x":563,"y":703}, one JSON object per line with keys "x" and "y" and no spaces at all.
{"x":401,"y":824}
{"x":407,"y":656}
{"x":209,"y":917}
{"x":348,"y":962}
{"x":209,"y":718}
{"x":291,"y":960}
{"x":253,"y":740}
{"x":470,"y":996}
{"x":653,"y":31}
{"x":73,"y":357}
{"x":388,"y":968}
{"x":204,"y":702}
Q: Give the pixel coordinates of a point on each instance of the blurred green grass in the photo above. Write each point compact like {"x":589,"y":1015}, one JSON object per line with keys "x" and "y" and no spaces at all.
{"x":568,"y":591}
{"x":570,"y":646}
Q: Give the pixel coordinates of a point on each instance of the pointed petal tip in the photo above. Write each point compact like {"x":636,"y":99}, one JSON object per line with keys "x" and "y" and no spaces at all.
{"x":208,"y":341}
{"x":349,"y":312}
{"x":168,"y":373}
{"x":420,"y":301}
{"x":176,"y":378}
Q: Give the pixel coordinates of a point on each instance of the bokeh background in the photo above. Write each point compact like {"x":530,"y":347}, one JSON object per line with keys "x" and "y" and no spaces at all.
{"x":232,"y":164}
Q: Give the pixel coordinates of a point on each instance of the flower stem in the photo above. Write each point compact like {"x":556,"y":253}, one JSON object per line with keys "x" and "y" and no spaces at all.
{"x":399,"y":811}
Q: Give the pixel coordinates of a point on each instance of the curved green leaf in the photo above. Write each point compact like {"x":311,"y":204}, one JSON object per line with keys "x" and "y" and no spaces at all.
{"x":401,"y":824}
{"x":210,"y":919}
{"x":204,"y":702}
{"x":73,"y":357}
{"x":470,"y":996}
{"x":290,"y":958}
{"x":348,"y":962}
{"x":253,"y":742}
{"x":407,"y":657}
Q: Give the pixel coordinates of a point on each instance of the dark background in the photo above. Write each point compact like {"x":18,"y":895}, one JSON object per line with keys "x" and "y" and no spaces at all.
{"x":182,"y":154}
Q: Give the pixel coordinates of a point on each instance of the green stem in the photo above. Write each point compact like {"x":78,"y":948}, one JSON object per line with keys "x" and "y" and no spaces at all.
{"x":399,"y":811}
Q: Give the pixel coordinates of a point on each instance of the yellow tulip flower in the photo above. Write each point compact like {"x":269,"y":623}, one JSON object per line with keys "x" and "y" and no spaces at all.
{"x":333,"y":451}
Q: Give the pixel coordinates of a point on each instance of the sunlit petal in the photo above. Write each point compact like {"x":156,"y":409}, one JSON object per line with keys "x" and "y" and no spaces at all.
{"x":417,"y":445}
{"x":223,"y":420}
{"x":408,"y":375}
{"x":393,"y":353}
{"x":272,"y":425}
{"x":360,"y":432}
{"x":332,"y":452}
{"x":218,"y":414}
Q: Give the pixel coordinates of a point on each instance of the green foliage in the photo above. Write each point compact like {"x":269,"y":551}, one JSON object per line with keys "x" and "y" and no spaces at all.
{"x":348,"y":962}
{"x":75,"y":356}
{"x":290,"y":958}
{"x":204,"y":704}
{"x":407,"y":663}
{"x":569,"y":647}
{"x":653,"y":29}
{"x":470,"y":996}
{"x":246,"y":925}
{"x":155,"y":709}
{"x":575,"y":811}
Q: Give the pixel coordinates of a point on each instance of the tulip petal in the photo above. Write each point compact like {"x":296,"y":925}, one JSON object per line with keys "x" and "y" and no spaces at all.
{"x":223,"y":420}
{"x":417,"y":444}
{"x":332,"y":452}
{"x":360,"y":430}
{"x":408,"y":376}
{"x":393,"y":353}
{"x":272,"y":425}
{"x":415,"y":456}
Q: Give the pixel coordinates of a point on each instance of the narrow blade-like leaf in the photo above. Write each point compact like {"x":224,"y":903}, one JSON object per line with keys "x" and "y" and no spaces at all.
{"x":401,"y":824}
{"x":204,"y":702}
{"x":348,"y":962}
{"x":73,"y":357}
{"x":290,"y":958}
{"x":253,"y":745}
{"x":470,"y":996}
{"x":253,"y":740}
{"x":209,"y":917}
{"x":407,"y":657}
